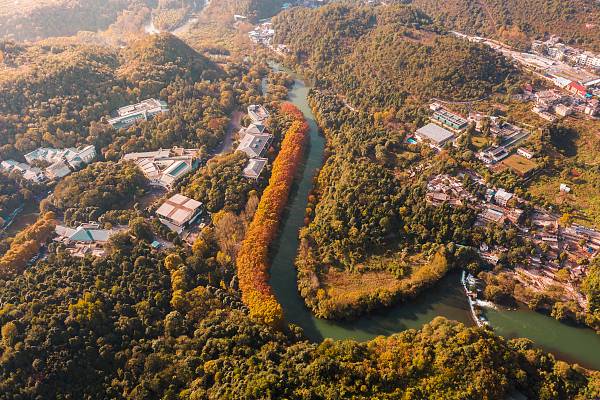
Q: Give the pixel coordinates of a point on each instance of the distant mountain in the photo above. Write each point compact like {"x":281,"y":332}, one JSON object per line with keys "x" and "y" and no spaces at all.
{"x":50,"y":92}
{"x":576,"y":21}
{"x":32,"y":19}
{"x":254,"y":10}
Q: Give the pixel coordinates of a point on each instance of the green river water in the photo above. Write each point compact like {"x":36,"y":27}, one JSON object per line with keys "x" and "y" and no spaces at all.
{"x":446,"y":299}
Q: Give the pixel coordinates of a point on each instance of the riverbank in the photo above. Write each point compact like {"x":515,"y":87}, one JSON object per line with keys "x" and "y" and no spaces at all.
{"x":446,"y":298}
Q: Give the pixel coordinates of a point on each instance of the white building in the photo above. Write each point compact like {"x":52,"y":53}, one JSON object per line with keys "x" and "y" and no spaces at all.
{"x":563,"y":110}
{"x":255,"y":167}
{"x":144,"y":110}
{"x":254,"y":145}
{"x":528,"y":154}
{"x":58,"y":170}
{"x":502,"y":197}
{"x":434,"y":134}
{"x":28,"y":172}
{"x":253,"y":129}
{"x":179,"y":212}
{"x":258,"y":113}
{"x":165,"y":167}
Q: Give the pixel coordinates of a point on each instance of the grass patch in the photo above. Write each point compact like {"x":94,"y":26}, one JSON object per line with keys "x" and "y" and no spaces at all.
{"x":584,"y":198}
{"x":519,"y":164}
{"x":577,"y":158}
{"x":479,"y":142}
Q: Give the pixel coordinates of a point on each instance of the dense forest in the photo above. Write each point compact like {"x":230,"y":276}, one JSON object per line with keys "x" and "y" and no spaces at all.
{"x":145,"y":324}
{"x":85,"y":195}
{"x":12,"y":195}
{"x":519,"y":21}
{"x":32,"y":19}
{"x":254,"y":10}
{"x":386,"y":56}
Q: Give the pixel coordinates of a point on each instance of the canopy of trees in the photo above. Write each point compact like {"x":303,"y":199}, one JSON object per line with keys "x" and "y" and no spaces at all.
{"x":11,"y":195}
{"x":253,"y":257}
{"x":519,"y":21}
{"x":87,"y":194}
{"x":26,"y":245}
{"x":114,"y":328}
{"x":386,"y":56}
{"x":221,"y":185}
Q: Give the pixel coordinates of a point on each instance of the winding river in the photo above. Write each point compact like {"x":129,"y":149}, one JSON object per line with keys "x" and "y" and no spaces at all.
{"x":447,"y":299}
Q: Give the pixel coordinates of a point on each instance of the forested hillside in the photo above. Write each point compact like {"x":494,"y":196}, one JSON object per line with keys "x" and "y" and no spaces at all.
{"x":252,"y":9}
{"x":57,"y":95}
{"x":32,"y":19}
{"x":519,"y":21}
{"x":386,"y":56}
{"x":146,"y":325}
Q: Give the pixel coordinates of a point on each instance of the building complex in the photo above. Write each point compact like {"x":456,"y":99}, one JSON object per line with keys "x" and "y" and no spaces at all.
{"x":144,"y":110}
{"x":165,"y":167}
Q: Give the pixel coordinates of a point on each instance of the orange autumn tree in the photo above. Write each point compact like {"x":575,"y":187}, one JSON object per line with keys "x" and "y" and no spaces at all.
{"x":27,"y":244}
{"x":253,"y":257}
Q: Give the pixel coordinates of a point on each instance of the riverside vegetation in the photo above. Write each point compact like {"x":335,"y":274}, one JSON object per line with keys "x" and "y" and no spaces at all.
{"x":143,"y":323}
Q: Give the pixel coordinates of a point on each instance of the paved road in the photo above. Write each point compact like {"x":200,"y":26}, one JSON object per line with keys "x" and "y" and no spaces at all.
{"x":232,"y":129}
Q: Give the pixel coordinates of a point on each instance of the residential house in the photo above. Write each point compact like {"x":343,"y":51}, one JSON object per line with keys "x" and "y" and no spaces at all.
{"x":502,"y":197}
{"x":253,"y":129}
{"x":563,"y":110}
{"x":254,"y":145}
{"x":255,"y":167}
{"x":577,"y":89}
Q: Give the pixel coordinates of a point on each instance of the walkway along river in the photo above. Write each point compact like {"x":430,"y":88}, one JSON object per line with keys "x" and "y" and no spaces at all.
{"x":446,"y":299}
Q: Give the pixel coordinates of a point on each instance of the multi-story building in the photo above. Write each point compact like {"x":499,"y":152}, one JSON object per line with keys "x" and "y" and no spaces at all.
{"x":144,"y":110}
{"x":165,"y":167}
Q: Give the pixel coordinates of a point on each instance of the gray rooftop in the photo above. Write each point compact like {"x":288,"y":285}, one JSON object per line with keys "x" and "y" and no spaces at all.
{"x":435,"y":133}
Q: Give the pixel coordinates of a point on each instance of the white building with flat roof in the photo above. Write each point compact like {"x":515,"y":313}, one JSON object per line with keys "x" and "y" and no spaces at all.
{"x":143,"y":110}
{"x":179,"y":212}
{"x":258,"y":113}
{"x":434,"y":134}
{"x":165,"y":167}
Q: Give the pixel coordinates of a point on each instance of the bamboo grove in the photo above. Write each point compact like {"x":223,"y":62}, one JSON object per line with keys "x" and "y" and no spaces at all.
{"x":253,"y":258}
